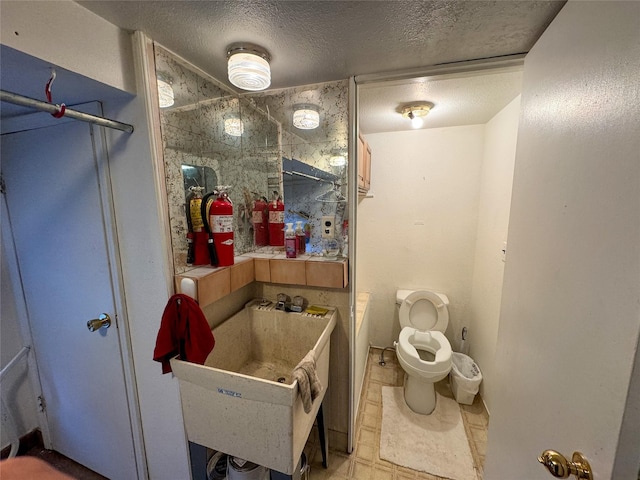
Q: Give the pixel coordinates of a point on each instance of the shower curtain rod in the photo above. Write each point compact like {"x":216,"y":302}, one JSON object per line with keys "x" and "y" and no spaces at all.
{"x":51,"y":108}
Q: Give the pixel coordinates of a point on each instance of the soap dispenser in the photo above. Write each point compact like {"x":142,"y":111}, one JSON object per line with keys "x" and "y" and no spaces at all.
{"x":290,"y":241}
{"x":301,"y":244}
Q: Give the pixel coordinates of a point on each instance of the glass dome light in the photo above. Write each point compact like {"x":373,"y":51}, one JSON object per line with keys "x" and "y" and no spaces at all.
{"x":233,"y":126}
{"x":306,"y":117}
{"x":338,"y":160}
{"x":165,"y":92}
{"x":248,"y":67}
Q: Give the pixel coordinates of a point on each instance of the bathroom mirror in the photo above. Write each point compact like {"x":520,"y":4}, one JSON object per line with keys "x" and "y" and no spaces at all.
{"x":243,"y":140}
{"x":314,"y":163}
{"x":218,"y":137}
{"x":198,"y":176}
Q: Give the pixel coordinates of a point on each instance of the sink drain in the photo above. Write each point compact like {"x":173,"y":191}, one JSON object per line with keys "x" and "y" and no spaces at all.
{"x":281,"y":379}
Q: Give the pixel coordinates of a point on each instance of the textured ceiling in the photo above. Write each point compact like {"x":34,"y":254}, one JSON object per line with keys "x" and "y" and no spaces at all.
{"x":317,"y":41}
{"x":457,"y":100}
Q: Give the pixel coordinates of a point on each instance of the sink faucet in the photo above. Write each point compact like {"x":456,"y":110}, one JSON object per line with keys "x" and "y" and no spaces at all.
{"x":298,"y":304}
{"x":283,"y":299}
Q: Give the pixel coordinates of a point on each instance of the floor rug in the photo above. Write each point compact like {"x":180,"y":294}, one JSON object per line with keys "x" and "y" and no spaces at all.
{"x":436,"y":443}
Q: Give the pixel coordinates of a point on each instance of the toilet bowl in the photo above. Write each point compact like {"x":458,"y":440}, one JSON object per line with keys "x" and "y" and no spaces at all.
{"x":424,"y":353}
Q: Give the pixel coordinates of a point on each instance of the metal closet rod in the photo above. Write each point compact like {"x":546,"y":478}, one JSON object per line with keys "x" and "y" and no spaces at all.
{"x":75,"y":114}
{"x":300,"y":174}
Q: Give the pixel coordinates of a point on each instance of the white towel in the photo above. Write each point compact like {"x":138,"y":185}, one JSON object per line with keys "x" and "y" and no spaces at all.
{"x":309,"y":384}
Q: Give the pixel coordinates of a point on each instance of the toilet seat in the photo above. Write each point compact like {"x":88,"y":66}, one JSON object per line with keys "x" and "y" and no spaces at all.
{"x":412,"y":339}
{"x":424,"y":310}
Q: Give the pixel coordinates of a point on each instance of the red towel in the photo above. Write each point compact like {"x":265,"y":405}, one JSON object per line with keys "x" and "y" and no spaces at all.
{"x":183,"y":331}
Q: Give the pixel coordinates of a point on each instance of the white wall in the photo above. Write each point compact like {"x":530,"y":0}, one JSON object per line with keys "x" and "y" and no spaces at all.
{"x":570,"y":315}
{"x":71,"y":37}
{"x":147,"y":282}
{"x":108,"y":57}
{"x":16,"y":386}
{"x":500,"y":136}
{"x":419,"y":228}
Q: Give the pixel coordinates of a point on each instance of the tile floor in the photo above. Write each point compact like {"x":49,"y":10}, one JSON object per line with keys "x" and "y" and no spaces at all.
{"x":365,"y":463}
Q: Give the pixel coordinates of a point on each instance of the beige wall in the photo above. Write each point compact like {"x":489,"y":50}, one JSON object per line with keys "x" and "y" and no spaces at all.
{"x":453,"y":189}
{"x":500,"y":137}
{"x":569,"y":321}
{"x":418,"y":227}
{"x":59,"y":32}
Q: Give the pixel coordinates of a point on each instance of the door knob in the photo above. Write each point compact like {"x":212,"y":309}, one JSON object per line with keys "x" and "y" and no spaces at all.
{"x":560,"y":467}
{"x":103,"y":321}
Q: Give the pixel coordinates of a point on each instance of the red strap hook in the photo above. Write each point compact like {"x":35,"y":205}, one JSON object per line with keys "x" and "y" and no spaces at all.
{"x":47,"y":90}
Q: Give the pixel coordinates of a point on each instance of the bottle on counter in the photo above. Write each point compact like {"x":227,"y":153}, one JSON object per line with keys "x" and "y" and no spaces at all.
{"x":290,"y":241}
{"x":301,"y":244}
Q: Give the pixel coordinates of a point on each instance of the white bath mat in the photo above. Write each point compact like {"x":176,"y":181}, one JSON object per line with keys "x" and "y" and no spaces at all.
{"x":436,"y":443}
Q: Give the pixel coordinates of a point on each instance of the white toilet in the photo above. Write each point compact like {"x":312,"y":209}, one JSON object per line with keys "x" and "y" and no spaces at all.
{"x":422,"y":349}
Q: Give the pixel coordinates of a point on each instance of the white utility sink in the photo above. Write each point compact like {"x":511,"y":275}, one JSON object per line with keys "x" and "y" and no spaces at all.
{"x":235,"y":404}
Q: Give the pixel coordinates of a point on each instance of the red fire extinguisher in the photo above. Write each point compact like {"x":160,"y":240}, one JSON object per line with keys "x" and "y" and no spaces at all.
{"x":261,"y":221}
{"x":221,"y":224}
{"x":276,"y":221}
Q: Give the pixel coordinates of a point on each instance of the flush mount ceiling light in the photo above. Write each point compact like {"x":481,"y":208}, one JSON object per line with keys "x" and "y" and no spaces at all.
{"x":248,"y":66}
{"x":165,"y":91}
{"x":338,"y":160}
{"x":416,"y":112}
{"x":233,"y":126}
{"x":306,"y":116}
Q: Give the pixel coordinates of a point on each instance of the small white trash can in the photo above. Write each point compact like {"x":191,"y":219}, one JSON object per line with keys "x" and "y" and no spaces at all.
{"x":464,"y":378}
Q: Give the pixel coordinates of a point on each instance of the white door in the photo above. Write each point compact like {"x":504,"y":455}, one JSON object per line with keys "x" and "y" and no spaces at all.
{"x":57,"y":194}
{"x":571,"y":300}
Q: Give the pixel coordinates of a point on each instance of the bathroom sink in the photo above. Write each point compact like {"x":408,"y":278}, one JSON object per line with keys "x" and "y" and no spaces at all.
{"x":243,"y":400}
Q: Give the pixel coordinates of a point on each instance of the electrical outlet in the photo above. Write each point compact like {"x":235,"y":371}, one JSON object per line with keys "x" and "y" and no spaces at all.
{"x":328,"y":226}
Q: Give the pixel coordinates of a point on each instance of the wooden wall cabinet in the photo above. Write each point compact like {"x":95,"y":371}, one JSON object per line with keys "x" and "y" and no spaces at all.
{"x":364,"y":165}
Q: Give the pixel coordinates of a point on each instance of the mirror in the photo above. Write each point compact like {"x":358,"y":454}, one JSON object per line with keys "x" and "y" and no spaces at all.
{"x":314,"y":163}
{"x":198,"y":176}
{"x":211,"y":135}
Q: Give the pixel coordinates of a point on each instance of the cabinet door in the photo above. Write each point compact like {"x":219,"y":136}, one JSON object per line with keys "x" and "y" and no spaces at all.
{"x":367,"y":167}
{"x":362,"y":147}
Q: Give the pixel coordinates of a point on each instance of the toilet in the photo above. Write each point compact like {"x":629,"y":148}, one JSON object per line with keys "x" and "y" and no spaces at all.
{"x":422,"y":349}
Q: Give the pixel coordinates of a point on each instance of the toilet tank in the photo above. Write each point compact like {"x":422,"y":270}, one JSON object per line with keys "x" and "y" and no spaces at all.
{"x":401,"y":294}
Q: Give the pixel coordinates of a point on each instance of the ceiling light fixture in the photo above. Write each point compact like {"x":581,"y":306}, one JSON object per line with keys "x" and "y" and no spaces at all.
{"x":338,"y":160}
{"x":306,"y":116}
{"x":248,"y":66}
{"x":165,"y":91}
{"x":233,"y":126}
{"x":416,"y":112}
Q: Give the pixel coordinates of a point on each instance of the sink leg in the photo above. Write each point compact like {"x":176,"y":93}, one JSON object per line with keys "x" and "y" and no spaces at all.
{"x":279,"y":476}
{"x":324,"y":438}
{"x":198,"y":457}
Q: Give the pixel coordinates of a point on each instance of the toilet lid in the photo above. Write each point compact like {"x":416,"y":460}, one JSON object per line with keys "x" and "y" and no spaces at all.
{"x":424,"y":310}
